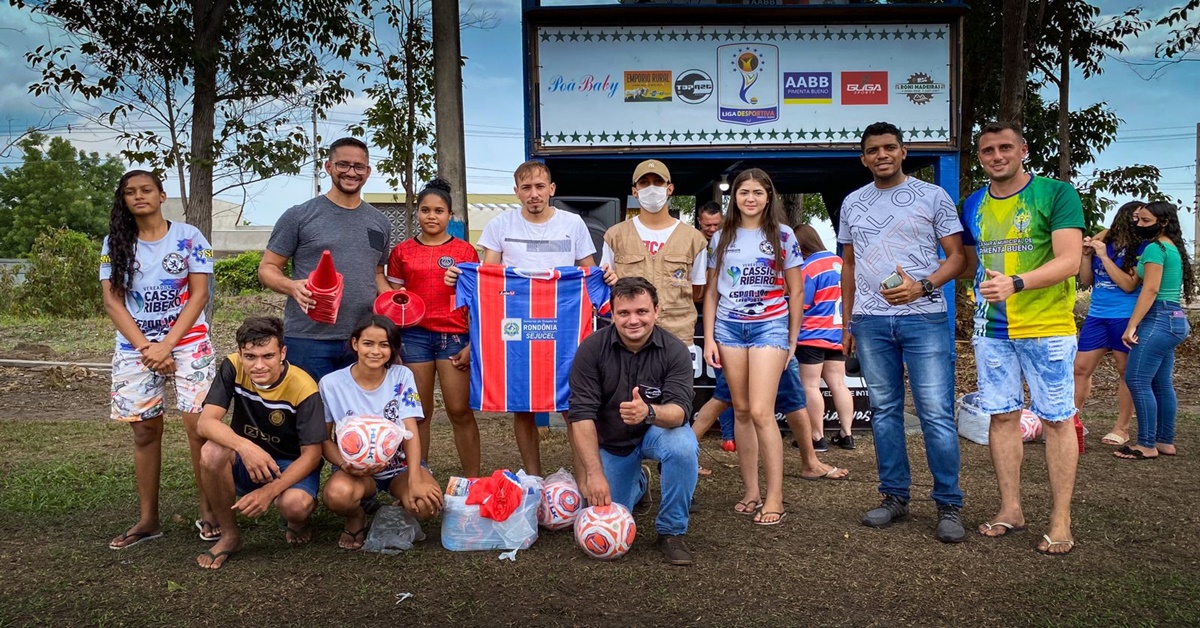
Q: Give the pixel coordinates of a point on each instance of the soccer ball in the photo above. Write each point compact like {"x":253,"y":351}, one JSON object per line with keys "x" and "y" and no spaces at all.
{"x":368,"y":440}
{"x":605,"y":532}
{"x":1031,"y":426}
{"x":561,"y":503}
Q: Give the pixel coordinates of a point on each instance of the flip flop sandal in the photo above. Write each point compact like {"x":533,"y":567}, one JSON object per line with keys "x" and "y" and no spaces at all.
{"x":828,"y":475}
{"x":354,"y":538}
{"x":748,"y":507}
{"x":210,"y":538}
{"x":759,"y":522}
{"x":1007,"y":527}
{"x":1129,"y":453}
{"x":1051,"y":543}
{"x":1113,"y":438}
{"x":138,"y":537}
{"x":212,"y":558}
{"x":297,"y":534}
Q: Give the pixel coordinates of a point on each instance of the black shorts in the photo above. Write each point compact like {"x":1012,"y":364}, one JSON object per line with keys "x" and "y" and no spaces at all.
{"x":818,"y":355}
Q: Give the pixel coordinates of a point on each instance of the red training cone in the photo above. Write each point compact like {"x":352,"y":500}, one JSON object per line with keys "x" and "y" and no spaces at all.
{"x":326,"y":285}
{"x":325,"y":276}
{"x":404,"y":308}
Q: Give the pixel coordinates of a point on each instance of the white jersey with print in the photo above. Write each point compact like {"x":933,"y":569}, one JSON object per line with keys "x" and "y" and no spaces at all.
{"x":654,"y":239}
{"x":559,"y":241}
{"x":160,"y":282}
{"x":750,"y":287}
{"x":395,"y":399}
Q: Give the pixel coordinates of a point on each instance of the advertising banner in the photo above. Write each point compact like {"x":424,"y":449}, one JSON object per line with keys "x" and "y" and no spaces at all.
{"x":697,"y":86}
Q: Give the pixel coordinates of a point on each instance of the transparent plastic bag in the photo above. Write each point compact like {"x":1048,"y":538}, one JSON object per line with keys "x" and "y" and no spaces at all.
{"x":973,"y":422}
{"x":394,"y":530}
{"x":464,"y":530}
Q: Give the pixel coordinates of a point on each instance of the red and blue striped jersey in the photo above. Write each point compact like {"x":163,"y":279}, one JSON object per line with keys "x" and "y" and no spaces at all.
{"x":525,"y":327}
{"x":822,"y":325}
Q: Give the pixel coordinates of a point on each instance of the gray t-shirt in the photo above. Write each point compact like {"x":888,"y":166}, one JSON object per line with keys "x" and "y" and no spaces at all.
{"x":358,"y":239}
{"x":899,"y":225}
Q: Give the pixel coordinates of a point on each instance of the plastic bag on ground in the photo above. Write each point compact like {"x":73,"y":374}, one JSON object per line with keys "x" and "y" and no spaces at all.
{"x":973,"y":422}
{"x":464,"y":529}
{"x":394,"y":530}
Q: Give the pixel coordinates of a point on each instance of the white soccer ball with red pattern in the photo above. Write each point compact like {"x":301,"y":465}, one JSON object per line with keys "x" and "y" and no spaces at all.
{"x":605,"y":532}
{"x":1031,"y":426}
{"x":368,"y":440}
{"x":561,"y":503}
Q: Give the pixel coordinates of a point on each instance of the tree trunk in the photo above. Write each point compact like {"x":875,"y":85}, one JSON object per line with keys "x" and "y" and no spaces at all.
{"x":1015,"y":69}
{"x":208,"y":15}
{"x":1064,"y":107}
{"x":173,"y":129}
{"x":407,"y":179}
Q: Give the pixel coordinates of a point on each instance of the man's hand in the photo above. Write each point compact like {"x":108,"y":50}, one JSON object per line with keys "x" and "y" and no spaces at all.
{"x":451,"y":276}
{"x":462,"y":359}
{"x":259,"y":464}
{"x":298,"y":291}
{"x":610,"y":277}
{"x":635,"y":411}
{"x":595,"y":490}
{"x":906,"y":292}
{"x":847,"y":342}
{"x":255,"y":503}
{"x":157,"y":358}
{"x":997,"y":287}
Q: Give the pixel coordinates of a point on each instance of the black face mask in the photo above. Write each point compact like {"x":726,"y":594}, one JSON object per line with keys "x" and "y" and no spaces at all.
{"x":1146,"y":232}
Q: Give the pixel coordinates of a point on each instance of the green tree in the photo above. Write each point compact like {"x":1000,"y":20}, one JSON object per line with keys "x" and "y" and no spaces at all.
{"x":55,"y":186}
{"x":235,"y":82}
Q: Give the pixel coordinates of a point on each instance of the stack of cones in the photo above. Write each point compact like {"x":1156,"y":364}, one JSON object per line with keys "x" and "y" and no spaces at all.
{"x":325,"y":284}
{"x":403,"y":308}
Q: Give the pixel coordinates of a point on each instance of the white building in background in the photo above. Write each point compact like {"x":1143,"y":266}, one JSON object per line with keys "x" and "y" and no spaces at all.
{"x":229,"y":236}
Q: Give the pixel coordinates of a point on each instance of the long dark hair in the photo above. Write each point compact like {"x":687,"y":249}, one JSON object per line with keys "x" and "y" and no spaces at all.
{"x":1121,"y":237}
{"x":388,"y":327}
{"x":773,"y":216}
{"x":809,"y":239}
{"x":1168,"y":219}
{"x":122,"y":235}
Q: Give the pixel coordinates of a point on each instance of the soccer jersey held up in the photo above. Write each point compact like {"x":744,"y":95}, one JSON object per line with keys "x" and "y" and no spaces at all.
{"x":525,"y":328}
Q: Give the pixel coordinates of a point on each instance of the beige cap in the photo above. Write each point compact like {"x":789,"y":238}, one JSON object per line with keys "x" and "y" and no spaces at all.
{"x":649,"y":166}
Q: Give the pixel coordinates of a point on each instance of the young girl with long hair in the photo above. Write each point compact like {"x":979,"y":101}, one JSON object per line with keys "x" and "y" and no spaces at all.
{"x":1157,"y":326}
{"x":753,"y":306}
{"x":819,"y":347}
{"x":155,"y":277}
{"x":439,"y":344}
{"x":375,"y":384}
{"x":1109,"y":260}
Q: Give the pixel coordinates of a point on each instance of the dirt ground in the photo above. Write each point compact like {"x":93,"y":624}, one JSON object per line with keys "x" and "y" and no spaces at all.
{"x":1137,"y":561}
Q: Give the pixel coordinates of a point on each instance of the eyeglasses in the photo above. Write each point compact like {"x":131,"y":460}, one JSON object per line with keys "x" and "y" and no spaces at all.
{"x":345,"y":166}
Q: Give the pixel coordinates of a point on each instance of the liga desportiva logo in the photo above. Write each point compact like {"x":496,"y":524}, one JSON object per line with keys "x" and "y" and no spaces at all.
{"x":919,"y":88}
{"x":864,"y":88}
{"x":748,"y":83}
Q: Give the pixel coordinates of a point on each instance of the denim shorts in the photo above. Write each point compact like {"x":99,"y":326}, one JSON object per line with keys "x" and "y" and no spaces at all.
{"x":1102,"y":333}
{"x":753,"y":334}
{"x":789,"y":398}
{"x":418,"y":344}
{"x":242,"y":483}
{"x":1048,"y":365}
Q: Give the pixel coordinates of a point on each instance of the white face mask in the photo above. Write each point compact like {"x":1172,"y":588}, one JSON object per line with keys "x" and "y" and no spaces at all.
{"x":652,"y":198}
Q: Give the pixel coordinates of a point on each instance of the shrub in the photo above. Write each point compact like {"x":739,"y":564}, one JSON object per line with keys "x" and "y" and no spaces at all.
{"x":62,"y":278}
{"x":238,"y":275}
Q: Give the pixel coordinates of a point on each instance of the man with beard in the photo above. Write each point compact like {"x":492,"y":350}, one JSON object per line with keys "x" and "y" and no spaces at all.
{"x":355,"y":233}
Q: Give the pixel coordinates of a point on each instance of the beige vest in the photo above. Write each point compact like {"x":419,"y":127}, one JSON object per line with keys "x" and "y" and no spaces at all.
{"x":670,"y":271}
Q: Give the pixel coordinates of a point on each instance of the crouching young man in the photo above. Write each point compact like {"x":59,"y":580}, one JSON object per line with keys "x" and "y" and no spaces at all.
{"x":270,"y":453}
{"x":631,"y":394}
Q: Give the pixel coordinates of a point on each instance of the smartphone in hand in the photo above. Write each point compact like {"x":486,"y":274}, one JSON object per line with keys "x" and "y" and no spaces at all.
{"x":893,"y":281}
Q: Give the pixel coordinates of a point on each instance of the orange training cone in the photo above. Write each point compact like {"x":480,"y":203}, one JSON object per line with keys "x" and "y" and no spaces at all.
{"x":402,"y":307}
{"x":325,"y":276}
{"x":326,"y":285}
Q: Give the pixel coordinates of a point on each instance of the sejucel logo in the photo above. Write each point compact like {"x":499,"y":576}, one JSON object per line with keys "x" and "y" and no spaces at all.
{"x":510,"y":329}
{"x":864,"y":88}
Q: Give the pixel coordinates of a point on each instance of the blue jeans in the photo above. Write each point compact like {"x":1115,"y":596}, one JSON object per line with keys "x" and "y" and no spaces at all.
{"x":1150,"y":371}
{"x":748,"y":335}
{"x":922,"y":341}
{"x":676,"y":448}
{"x":418,"y":344}
{"x":318,"y":358}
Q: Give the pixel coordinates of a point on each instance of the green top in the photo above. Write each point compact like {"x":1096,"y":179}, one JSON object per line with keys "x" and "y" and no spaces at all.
{"x":1166,"y":255}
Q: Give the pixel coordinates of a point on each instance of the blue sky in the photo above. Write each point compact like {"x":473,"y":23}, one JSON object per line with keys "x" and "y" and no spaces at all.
{"x":1159,"y":113}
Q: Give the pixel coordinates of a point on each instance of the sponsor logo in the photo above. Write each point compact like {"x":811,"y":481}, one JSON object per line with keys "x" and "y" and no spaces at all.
{"x":651,"y":393}
{"x":174,"y":264}
{"x":807,"y":88}
{"x":766,"y":247}
{"x":864,"y":88}
{"x":919,"y":88}
{"x":587,"y":84}
{"x":510,"y":329}
{"x":748,"y":83}
{"x":648,"y":86}
{"x":693,"y":86}
{"x":276,"y":417}
{"x":445,"y":261}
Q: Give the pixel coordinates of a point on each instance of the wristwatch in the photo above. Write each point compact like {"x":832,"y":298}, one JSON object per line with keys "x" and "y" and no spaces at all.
{"x":650,"y":414}
{"x":929,"y":287}
{"x":1018,"y":283}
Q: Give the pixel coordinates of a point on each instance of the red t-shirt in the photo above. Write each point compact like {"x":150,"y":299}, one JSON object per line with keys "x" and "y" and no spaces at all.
{"x":420,"y":268}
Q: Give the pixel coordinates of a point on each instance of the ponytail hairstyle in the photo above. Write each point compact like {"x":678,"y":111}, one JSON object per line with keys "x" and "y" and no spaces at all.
{"x":438,"y":187}
{"x":1168,"y":219}
{"x":1121,"y":237}
{"x":772,"y":217}
{"x":122,"y":235}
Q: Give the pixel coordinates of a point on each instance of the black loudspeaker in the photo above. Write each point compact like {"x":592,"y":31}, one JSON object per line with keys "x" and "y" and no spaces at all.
{"x":598,"y":213}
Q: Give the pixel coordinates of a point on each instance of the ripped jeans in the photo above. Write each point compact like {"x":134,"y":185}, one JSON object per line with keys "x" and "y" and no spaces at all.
{"x":1048,"y":365}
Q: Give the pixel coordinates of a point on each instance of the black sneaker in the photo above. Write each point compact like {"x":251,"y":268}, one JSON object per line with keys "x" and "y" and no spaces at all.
{"x":675,"y":549}
{"x":845,"y":442}
{"x":647,"y":501}
{"x":890,"y":510}
{"x":949,"y":526}
{"x":820,"y":446}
